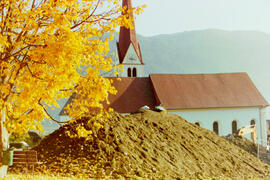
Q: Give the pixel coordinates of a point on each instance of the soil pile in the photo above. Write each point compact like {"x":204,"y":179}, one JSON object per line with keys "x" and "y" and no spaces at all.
{"x":248,"y":146}
{"x":148,"y":144}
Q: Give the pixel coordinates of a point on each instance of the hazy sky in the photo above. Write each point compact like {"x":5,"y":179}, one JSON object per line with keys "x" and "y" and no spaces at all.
{"x":171,"y":16}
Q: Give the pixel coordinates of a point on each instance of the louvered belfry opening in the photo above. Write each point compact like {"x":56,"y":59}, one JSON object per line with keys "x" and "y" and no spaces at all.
{"x":134,"y":72}
{"x":129,"y":72}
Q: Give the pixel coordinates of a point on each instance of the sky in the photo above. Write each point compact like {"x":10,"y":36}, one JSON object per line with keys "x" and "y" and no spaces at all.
{"x":172,"y":16}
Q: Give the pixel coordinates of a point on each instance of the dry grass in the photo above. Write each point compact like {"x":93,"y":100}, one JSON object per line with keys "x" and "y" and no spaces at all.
{"x":52,"y":177}
{"x":39,"y":177}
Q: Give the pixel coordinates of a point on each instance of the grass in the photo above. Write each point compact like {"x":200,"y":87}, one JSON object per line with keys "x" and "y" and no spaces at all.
{"x":51,"y":177}
{"x":37,"y":177}
{"x":34,"y":177}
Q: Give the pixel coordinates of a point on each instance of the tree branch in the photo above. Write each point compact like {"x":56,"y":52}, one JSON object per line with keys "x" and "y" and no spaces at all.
{"x":33,"y":75}
{"x":69,"y":88}
{"x":33,"y":4}
{"x":45,"y":110}
{"x":83,"y":21}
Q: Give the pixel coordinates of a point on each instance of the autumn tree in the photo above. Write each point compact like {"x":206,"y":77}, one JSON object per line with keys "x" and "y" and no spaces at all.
{"x":43,"y":46}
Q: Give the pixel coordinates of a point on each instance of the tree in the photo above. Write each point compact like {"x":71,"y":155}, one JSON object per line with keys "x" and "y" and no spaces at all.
{"x":43,"y":46}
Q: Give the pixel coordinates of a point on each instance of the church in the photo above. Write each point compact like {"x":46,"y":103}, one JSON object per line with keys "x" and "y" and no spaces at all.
{"x":222,"y":103}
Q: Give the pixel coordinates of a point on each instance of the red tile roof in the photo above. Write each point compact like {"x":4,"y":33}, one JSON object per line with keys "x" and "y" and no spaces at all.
{"x":188,"y":91}
{"x":127,"y":37}
{"x":132,"y":94}
{"x":184,"y":91}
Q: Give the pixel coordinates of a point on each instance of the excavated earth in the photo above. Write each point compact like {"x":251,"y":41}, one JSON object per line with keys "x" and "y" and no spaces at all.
{"x":247,"y":145}
{"x":155,"y":145}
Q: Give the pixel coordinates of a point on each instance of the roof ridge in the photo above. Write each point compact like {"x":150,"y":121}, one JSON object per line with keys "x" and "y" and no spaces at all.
{"x":197,"y":73}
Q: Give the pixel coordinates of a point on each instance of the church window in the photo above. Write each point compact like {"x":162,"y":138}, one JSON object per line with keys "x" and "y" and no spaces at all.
{"x":215,"y":127}
{"x":252,"y":122}
{"x":129,"y":72}
{"x":234,"y":127}
{"x":134,"y":72}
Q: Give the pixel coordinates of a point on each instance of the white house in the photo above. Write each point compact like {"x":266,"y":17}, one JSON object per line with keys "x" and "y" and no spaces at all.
{"x":219,"y":102}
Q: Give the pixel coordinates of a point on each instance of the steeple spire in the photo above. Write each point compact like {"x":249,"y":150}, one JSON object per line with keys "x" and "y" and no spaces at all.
{"x":127,"y":38}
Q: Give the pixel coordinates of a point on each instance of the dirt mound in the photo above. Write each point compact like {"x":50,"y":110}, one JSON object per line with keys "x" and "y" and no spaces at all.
{"x":148,"y":144}
{"x":248,"y":146}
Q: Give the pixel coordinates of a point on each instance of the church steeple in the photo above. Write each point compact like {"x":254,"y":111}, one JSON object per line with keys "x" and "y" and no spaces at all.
{"x":129,"y":52}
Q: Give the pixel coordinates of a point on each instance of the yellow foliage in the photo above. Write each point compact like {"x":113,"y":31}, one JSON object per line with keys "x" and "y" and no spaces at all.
{"x":42,"y":46}
{"x":82,"y":132}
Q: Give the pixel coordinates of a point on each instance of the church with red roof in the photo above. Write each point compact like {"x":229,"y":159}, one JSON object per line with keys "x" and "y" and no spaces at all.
{"x":222,"y":103}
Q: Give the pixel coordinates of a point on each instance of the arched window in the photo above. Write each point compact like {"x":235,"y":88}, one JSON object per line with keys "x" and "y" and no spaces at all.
{"x":134,"y":72}
{"x":252,"y":122}
{"x":198,"y":124}
{"x":129,"y":72}
{"x":234,"y":127}
{"x":215,"y":127}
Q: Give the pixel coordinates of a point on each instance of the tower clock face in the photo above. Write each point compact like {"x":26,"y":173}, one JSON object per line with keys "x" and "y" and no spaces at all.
{"x":132,"y":57}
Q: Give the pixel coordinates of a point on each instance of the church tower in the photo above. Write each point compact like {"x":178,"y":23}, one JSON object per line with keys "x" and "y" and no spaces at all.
{"x":129,"y":52}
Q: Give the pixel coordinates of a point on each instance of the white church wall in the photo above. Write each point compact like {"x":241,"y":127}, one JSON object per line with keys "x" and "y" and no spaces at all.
{"x":263,"y":124}
{"x":225,"y":117}
{"x":131,"y":56}
{"x":131,"y":61}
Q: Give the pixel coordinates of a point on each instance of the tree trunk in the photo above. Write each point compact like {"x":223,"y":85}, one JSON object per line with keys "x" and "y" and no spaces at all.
{"x":3,"y":144}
